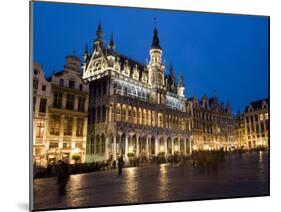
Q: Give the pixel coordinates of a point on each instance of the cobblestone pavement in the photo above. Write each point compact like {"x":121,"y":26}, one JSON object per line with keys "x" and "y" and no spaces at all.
{"x":237,"y":176}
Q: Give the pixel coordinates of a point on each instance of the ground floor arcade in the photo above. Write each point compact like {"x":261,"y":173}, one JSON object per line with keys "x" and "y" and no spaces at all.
{"x":104,"y":147}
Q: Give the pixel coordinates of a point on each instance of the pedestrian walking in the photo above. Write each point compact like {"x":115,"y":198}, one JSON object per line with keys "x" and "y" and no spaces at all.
{"x":120,"y":164}
{"x":63,"y":177}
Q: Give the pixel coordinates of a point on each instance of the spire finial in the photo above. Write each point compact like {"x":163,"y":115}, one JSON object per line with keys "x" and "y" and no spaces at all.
{"x":99,"y":32}
{"x":155,"y":22}
{"x":155,"y":40}
{"x":181,"y":81}
{"x":111,"y":43}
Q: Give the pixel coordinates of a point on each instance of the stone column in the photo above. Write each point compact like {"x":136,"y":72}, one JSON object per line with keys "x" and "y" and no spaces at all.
{"x":184,"y":145}
{"x":61,"y":133}
{"x":165,"y":145}
{"x":106,"y":148}
{"x":114,"y":147}
{"x":85,"y":127}
{"x":74,"y":126}
{"x":114,"y":112}
{"x":126,"y":147}
{"x":190,"y":145}
{"x":156,"y":145}
{"x":172,"y":146}
{"x":146,"y":147}
{"x":138,"y":148}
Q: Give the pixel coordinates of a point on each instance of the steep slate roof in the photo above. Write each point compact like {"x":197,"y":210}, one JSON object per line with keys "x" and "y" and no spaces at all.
{"x":256,"y":104}
{"x":131,"y":62}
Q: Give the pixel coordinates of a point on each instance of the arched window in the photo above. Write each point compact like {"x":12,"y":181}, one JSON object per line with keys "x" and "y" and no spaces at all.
{"x":111,"y":114}
{"x":97,"y":144}
{"x":166,"y":121}
{"x":124,"y":113}
{"x":153,"y":118}
{"x":149,"y":117}
{"x":118,"y":112}
{"x":135,"y":115}
{"x":102,"y":144}
{"x":129,"y":114}
{"x":140,"y":116}
{"x":35,"y":83}
{"x":160,"y":120}
{"x":144,"y":117}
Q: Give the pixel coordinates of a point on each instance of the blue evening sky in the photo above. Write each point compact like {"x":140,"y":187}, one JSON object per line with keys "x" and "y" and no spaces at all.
{"x":219,"y":54}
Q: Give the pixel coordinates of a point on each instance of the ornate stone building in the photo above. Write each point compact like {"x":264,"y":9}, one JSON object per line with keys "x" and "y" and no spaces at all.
{"x":134,"y":109}
{"x":253,"y":125}
{"x":60,"y":114}
{"x":213,"y":127}
{"x":41,"y":99}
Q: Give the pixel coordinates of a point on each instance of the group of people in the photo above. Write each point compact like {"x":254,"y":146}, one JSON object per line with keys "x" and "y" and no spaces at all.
{"x":63,"y":173}
{"x":207,"y":158}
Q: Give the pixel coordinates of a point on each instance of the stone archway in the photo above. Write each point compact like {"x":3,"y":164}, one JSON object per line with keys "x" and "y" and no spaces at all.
{"x":142,"y":145}
{"x":103,"y":146}
{"x":97,"y":146}
{"x":161,"y":145}
{"x":152,"y":145}
{"x":169,"y":145}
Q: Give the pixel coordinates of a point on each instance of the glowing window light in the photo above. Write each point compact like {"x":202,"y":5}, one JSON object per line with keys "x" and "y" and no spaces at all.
{"x":131,"y":149}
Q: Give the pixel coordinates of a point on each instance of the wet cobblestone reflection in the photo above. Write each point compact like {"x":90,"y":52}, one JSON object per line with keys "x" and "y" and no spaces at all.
{"x":237,"y":176}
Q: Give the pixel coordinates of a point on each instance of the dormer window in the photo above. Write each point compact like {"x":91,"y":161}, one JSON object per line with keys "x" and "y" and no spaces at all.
{"x":250,"y":108}
{"x":264,"y":105}
{"x":71,"y":84}
{"x":35,"y":83}
{"x":61,"y":82}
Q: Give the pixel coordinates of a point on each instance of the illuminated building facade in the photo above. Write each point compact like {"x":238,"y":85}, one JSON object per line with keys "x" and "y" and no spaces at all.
{"x":253,"y":125}
{"x":41,"y":99}
{"x":134,"y":109}
{"x":68,"y":114}
{"x":60,"y":115}
{"x":213,"y":127}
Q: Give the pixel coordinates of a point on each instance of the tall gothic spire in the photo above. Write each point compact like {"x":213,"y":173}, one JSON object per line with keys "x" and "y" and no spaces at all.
{"x":99,"y":32}
{"x":111,"y":43}
{"x":181,"y":81}
{"x":155,"y":41}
